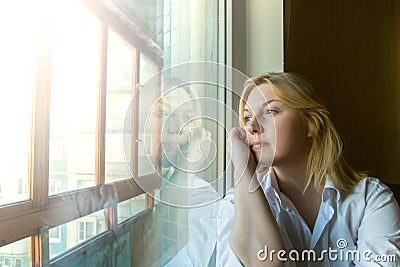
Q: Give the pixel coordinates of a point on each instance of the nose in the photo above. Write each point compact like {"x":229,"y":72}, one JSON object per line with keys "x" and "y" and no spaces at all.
{"x":254,"y":127}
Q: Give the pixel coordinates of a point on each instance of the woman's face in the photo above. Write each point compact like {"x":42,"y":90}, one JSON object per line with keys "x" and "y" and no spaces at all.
{"x":277,"y":134}
{"x":176,"y":111}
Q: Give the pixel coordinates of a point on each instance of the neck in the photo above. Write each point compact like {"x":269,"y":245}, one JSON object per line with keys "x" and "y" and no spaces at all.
{"x":292,"y":177}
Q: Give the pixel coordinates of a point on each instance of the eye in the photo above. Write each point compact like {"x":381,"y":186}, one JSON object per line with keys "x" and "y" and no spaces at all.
{"x":270,"y":111}
{"x":160,"y":114}
{"x":247,"y":118}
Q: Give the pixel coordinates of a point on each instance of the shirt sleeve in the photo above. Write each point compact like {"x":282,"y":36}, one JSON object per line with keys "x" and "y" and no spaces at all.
{"x":379,"y":232}
{"x":202,"y":225}
{"x":225,"y":255}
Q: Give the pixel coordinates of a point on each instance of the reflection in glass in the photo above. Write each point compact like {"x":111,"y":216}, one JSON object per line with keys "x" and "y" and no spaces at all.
{"x":148,"y":96}
{"x":69,"y":235}
{"x":16,"y":254}
{"x":127,"y":209}
{"x":73,"y":105}
{"x":147,"y":15}
{"x":120,"y":71}
{"x":17,"y":59}
{"x":193,"y":31}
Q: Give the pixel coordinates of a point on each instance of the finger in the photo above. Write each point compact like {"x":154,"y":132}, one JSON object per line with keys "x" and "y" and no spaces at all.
{"x":235,"y":133}
{"x":243,"y":133}
{"x":198,"y":133}
{"x":201,"y":132}
{"x":207,"y":135}
{"x":229,"y":146}
{"x":239,"y":134}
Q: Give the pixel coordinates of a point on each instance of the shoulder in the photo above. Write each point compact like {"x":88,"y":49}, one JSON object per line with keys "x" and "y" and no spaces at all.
{"x":370,"y":192}
{"x":368,"y":188}
{"x":380,"y":220}
{"x":226,"y":206}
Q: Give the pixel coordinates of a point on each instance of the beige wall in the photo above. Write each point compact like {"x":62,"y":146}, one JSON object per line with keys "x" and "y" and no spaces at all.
{"x":351,"y":52}
{"x":255,"y":36}
{"x":264,"y":36}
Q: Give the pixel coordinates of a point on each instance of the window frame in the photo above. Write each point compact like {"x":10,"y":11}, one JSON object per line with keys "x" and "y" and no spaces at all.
{"x":8,"y":259}
{"x":55,"y":240}
{"x":85,"y":230}
{"x":17,"y":259}
{"x":33,"y":217}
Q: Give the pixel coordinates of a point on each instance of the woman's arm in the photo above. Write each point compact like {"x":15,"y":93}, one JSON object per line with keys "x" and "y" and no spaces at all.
{"x":379,"y":231}
{"x":254,"y":225}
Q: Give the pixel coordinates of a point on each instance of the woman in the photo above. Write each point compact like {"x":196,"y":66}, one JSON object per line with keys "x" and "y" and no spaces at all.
{"x":187,"y":217}
{"x":312,"y":208}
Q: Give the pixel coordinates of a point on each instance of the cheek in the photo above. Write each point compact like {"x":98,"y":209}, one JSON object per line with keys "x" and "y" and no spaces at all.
{"x":288,"y":136}
{"x":281,"y":136}
{"x":269,"y":129}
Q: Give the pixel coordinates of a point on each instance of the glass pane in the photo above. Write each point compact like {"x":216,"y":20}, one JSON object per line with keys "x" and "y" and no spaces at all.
{"x":17,"y":67}
{"x":69,"y":235}
{"x":73,"y":110}
{"x":55,"y":235}
{"x":131,"y":207}
{"x":120,"y":70}
{"x":146,"y":14}
{"x":148,"y":95}
{"x":193,"y":31}
{"x":17,"y":253}
{"x":147,"y":68}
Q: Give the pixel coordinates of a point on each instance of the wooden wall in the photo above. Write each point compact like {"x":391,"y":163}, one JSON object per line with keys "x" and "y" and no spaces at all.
{"x":350,"y":49}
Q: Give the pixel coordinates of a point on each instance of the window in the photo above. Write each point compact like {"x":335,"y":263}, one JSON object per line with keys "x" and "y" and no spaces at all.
{"x":55,"y":186}
{"x":15,"y":253}
{"x":57,"y":151}
{"x":22,"y":187}
{"x":73,"y":139}
{"x":55,"y":235}
{"x":77,"y":232}
{"x":147,"y":131}
{"x":85,"y":230}
{"x":130,"y":207}
{"x":74,"y":92}
{"x":68,"y":78}
{"x":17,"y":55}
{"x":121,"y":72}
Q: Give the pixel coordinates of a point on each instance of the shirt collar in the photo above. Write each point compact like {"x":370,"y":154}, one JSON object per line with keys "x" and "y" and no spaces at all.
{"x":331,"y":188}
{"x":268,"y":182}
{"x":167,"y":172}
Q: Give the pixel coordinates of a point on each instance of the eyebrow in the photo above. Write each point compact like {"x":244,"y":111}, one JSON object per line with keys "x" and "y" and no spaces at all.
{"x":265,"y":103}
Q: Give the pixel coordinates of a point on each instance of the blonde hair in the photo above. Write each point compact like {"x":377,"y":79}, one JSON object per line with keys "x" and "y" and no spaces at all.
{"x":326,"y":152}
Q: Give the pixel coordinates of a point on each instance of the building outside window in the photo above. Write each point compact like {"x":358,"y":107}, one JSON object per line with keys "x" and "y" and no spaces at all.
{"x":74,"y":139}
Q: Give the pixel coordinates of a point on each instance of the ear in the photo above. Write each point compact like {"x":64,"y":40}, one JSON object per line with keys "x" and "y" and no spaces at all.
{"x":311,"y":130}
{"x":309,"y":127}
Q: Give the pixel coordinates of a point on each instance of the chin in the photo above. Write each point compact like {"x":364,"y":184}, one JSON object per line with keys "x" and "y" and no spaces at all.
{"x":263,"y":160}
{"x":264,"y":164}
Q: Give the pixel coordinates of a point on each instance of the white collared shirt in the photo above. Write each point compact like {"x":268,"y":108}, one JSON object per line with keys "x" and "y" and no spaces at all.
{"x":202,"y":227}
{"x":356,"y":228}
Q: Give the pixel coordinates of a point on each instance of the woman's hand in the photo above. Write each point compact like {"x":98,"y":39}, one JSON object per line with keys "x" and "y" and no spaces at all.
{"x":241,"y":155}
{"x":252,"y":212}
{"x":199,"y":149}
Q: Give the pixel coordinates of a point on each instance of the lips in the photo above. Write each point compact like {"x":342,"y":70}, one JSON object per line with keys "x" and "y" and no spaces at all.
{"x":257,"y":144}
